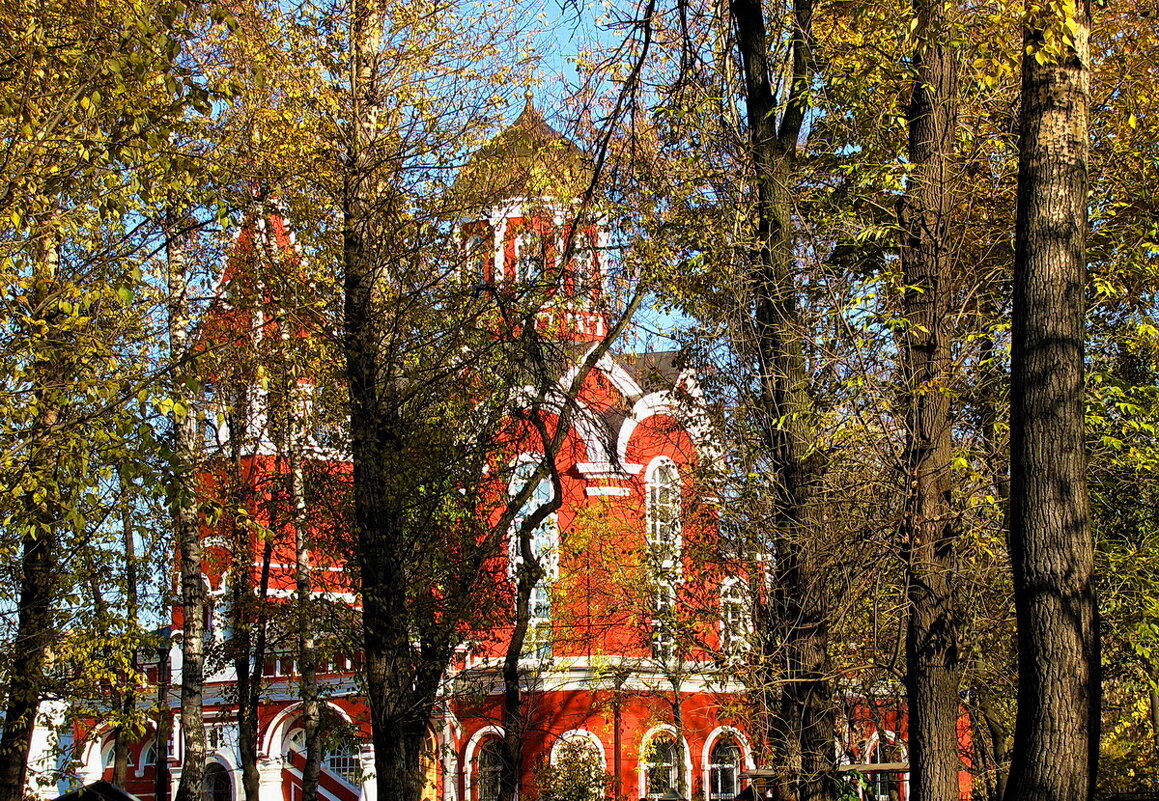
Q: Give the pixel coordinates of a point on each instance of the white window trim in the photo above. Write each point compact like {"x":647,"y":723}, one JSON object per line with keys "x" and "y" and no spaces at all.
{"x":746,"y":753}
{"x":469,"y":754}
{"x":746,"y":629}
{"x":674,"y":561}
{"x":578,"y":734}
{"x":642,"y":765}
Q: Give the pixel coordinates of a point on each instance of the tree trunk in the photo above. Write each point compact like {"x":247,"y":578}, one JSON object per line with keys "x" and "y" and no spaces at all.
{"x":242,"y":601}
{"x":34,"y":619}
{"x":799,"y":615}
{"x":161,"y":776}
{"x":997,"y":735}
{"x":250,"y":703}
{"x":183,"y":506}
{"x":1056,"y":735}
{"x":400,"y":687}
{"x":307,"y":664}
{"x":1153,"y":700}
{"x":128,"y":696}
{"x":933,"y":668}
{"x":528,"y":575}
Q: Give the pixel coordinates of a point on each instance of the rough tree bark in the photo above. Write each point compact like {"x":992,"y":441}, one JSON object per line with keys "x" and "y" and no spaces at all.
{"x":127,"y":700}
{"x":933,"y":667}
{"x":400,"y":683}
{"x":307,"y":661}
{"x":183,"y":508}
{"x":161,"y":778}
{"x":37,"y":568}
{"x":1056,"y":735}
{"x":797,"y":622}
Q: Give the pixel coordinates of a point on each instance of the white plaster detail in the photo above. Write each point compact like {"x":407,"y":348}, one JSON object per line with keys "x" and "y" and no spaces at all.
{"x":646,"y":740}
{"x":468,"y":765}
{"x":579,"y":734}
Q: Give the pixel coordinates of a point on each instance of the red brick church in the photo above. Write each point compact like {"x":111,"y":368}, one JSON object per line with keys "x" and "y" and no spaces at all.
{"x":628,"y":557}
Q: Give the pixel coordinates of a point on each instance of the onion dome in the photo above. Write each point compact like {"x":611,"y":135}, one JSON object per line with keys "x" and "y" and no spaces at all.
{"x":530,"y":159}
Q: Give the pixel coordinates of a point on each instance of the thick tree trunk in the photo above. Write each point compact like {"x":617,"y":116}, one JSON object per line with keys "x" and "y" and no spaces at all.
{"x":799,"y":615}
{"x":401,"y":683}
{"x":1153,"y":701}
{"x":1056,"y":736}
{"x":37,"y":572}
{"x":34,"y":627}
{"x":933,"y":667}
{"x":183,"y":507}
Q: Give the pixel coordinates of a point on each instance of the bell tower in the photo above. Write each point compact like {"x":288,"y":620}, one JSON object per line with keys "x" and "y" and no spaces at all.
{"x":527,"y":233}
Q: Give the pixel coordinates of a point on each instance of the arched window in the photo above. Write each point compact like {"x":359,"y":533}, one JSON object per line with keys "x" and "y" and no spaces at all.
{"x":576,"y":770}
{"x":216,"y":786}
{"x":342,"y":760}
{"x":661,"y":766}
{"x":544,"y":547}
{"x":488,"y":766}
{"x":724,"y":766}
{"x":339,"y":757}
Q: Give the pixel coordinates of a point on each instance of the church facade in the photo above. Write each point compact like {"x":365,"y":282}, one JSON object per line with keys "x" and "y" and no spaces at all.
{"x":633,"y":628}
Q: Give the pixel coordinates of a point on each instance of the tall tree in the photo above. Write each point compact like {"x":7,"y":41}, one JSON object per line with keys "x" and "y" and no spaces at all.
{"x":1056,"y":734}
{"x":183,"y":507}
{"x":798,"y":616}
{"x":933,"y":665}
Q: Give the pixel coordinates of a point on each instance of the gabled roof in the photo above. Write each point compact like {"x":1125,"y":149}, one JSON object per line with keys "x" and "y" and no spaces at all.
{"x":98,"y":791}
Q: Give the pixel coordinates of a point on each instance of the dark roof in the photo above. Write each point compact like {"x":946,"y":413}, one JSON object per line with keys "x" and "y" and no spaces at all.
{"x":653,"y":371}
{"x":98,"y":791}
{"x":528,"y":159}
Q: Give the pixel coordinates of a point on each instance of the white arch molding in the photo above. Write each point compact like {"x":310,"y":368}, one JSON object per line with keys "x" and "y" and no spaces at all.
{"x":746,"y":751}
{"x":232,"y":771}
{"x":646,"y":740}
{"x":579,"y":734}
{"x":468,"y":765}
{"x":282,"y":724}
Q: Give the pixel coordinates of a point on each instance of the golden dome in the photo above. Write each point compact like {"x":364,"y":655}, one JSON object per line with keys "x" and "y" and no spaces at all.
{"x":528,"y":159}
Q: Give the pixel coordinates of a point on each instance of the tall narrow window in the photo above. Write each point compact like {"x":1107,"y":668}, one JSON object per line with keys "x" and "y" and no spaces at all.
{"x":664,"y":622}
{"x":664,"y":508}
{"x":475,"y":259}
{"x":664,"y":545}
{"x":723,"y":770}
{"x":584,"y":270}
{"x":530,"y":257}
{"x":544,"y":547}
{"x":488,"y":766}
{"x":735,"y":621}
